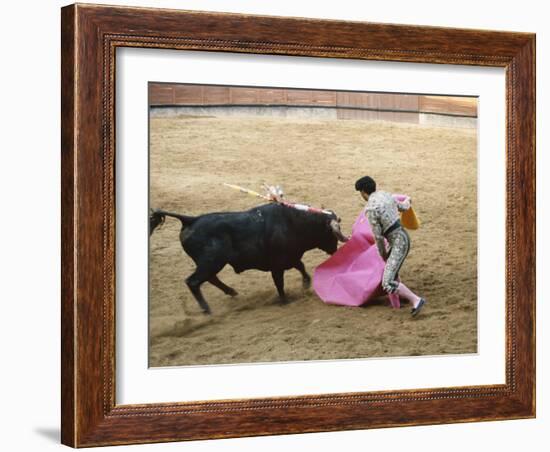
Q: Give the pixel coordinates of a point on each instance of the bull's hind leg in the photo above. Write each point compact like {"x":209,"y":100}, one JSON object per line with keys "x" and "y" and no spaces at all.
{"x":215,"y":281}
{"x":279,"y":280}
{"x":306,"y":279}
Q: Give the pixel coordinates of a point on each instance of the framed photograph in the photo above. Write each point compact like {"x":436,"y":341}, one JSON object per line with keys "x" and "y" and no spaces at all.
{"x":281,"y":225}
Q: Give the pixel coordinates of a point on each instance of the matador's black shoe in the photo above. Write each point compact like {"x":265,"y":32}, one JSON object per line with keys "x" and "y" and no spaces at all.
{"x":416,"y":311}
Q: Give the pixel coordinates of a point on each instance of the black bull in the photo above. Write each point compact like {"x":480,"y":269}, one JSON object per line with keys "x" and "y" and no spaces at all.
{"x":270,"y":238}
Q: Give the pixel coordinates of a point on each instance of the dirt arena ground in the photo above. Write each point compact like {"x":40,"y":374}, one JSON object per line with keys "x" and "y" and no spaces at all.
{"x":316,"y":162}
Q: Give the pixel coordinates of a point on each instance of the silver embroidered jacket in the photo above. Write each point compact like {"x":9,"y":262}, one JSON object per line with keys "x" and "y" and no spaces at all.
{"x":382,"y":211}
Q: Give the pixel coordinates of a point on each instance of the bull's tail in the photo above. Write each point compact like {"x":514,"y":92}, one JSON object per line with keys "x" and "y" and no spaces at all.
{"x":157,"y":218}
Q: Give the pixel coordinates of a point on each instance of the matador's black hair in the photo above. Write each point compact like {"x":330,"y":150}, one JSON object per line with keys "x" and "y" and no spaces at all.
{"x":366,"y":184}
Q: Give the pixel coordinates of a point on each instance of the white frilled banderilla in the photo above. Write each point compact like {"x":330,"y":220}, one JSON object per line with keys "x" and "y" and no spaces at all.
{"x":274,"y":193}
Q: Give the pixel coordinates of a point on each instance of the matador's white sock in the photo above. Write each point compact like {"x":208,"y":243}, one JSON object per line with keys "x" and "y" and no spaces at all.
{"x":408,"y":294}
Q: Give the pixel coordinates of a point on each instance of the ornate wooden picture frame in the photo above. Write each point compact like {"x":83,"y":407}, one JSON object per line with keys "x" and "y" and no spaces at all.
{"x":90,"y":37}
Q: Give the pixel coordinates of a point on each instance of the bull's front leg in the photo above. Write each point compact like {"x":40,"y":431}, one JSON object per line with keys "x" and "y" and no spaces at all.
{"x":279,"y":280}
{"x":306,"y":279}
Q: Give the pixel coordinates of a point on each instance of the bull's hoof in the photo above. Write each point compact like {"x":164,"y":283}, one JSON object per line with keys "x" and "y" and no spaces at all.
{"x":232,"y":292}
{"x":283,"y":301}
{"x":206,"y":311}
{"x":306,"y":284}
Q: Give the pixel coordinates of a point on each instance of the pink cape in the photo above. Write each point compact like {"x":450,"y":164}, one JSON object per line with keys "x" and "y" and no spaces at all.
{"x":353,"y":275}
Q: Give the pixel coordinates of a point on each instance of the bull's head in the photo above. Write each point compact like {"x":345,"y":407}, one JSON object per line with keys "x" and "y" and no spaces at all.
{"x":335,"y":227}
{"x":334,"y":236}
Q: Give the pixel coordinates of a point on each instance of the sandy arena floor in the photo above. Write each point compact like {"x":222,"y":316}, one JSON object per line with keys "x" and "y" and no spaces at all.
{"x":316,"y":162}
